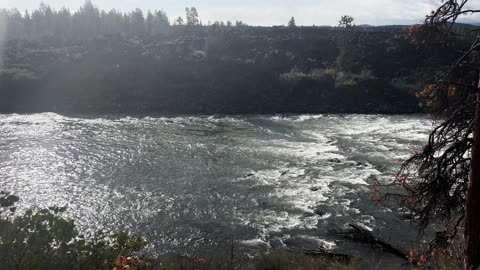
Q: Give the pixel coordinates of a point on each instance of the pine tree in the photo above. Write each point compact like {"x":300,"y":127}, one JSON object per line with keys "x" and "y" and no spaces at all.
{"x":178,"y":21}
{"x":291,"y":23}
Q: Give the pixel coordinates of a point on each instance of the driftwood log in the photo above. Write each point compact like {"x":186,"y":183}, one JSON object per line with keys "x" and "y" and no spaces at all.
{"x":363,"y":235}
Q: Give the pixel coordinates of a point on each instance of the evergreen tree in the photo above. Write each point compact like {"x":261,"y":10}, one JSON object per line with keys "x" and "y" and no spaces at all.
{"x":291,"y":23}
{"x":89,"y":22}
{"x":346,"y":22}
{"x":178,"y":21}
{"x":191,"y":15}
{"x":27,"y":22}
{"x":137,"y":22}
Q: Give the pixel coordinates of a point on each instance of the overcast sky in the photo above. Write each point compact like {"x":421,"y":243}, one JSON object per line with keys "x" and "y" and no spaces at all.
{"x":271,"y":12}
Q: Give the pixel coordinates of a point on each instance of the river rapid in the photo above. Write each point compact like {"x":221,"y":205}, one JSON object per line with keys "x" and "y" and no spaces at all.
{"x":191,"y":182}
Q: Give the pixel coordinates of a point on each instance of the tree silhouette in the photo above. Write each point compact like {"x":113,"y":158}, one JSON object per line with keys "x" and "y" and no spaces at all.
{"x":86,"y":23}
{"x":179,"y":21}
{"x":442,"y":182}
{"x":346,"y":21}
{"x":191,"y":15}
{"x":291,"y":23}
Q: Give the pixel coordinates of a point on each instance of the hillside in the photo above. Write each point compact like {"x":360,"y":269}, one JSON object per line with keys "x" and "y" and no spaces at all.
{"x":219,"y":69}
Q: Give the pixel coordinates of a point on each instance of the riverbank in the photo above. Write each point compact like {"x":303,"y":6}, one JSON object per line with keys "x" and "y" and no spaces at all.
{"x":45,"y":240}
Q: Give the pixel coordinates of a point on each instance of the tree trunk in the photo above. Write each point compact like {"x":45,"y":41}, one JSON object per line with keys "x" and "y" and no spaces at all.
{"x":472,"y":204}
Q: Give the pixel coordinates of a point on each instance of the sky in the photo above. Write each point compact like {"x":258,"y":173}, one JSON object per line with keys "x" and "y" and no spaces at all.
{"x":271,"y":12}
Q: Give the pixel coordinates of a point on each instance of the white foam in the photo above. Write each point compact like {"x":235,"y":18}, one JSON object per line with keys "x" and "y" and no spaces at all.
{"x":255,"y":242}
{"x":298,"y":118}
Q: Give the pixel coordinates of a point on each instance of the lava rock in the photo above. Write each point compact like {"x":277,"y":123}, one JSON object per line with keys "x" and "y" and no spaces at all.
{"x":334,"y":160}
{"x":308,"y":214}
{"x":8,"y":201}
{"x":407,"y":216}
{"x":303,"y":243}
{"x":319,"y":212}
{"x":276,"y":243}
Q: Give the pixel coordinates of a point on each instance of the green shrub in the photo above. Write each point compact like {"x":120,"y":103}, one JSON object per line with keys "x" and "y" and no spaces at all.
{"x":44,"y":240}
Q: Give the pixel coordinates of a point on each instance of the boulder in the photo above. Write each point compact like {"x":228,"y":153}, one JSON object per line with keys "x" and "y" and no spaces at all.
{"x":8,"y":201}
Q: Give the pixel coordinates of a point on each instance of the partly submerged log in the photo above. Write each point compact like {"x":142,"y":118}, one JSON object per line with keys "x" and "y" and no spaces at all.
{"x":363,"y":235}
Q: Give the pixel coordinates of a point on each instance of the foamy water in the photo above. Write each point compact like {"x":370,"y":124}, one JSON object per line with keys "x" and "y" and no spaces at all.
{"x":189,"y":182}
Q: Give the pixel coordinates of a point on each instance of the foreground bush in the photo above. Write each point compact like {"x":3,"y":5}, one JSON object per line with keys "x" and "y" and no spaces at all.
{"x":44,"y":240}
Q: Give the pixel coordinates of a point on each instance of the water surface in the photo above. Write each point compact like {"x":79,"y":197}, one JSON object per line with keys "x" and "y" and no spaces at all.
{"x":188,"y":182}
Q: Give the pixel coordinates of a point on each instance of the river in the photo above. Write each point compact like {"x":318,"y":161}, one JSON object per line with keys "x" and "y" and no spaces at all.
{"x":196,"y":181}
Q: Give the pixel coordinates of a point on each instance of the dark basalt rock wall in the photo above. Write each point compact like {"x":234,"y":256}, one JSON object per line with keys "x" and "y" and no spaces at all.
{"x":219,"y":70}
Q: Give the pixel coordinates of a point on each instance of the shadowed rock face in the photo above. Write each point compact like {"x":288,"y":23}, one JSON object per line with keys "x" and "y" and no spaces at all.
{"x":8,"y":200}
{"x":207,"y":70}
